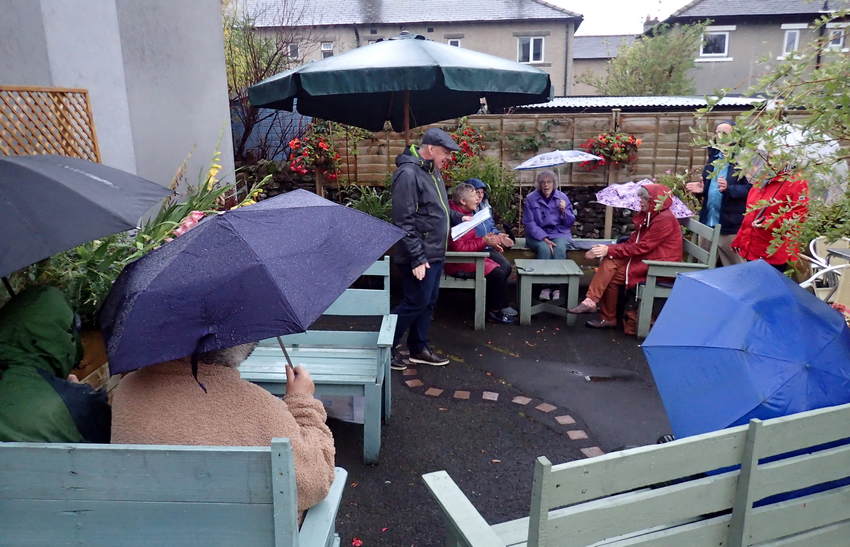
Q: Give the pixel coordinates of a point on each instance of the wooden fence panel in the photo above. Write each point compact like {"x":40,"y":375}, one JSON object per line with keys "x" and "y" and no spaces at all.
{"x":47,"y":120}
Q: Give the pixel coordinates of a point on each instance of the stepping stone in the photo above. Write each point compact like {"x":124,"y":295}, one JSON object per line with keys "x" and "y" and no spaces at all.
{"x":414,"y":383}
{"x":576,"y":434}
{"x":434,"y":392}
{"x":566,"y":419}
{"x":520,"y":400}
{"x":592,"y":452}
{"x":490,"y":396}
{"x":461,"y":394}
{"x":409,"y":371}
{"x":545,"y":407}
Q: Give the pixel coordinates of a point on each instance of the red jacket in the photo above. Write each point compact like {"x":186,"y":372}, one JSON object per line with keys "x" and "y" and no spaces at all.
{"x":469,"y":242}
{"x":789,"y":203}
{"x":657,"y":236}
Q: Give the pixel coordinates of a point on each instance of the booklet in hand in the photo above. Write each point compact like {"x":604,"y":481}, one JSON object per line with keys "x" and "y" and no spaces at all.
{"x":461,"y":229}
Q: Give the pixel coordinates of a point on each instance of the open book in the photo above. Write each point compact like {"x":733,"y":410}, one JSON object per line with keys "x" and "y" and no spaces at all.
{"x":461,"y":229}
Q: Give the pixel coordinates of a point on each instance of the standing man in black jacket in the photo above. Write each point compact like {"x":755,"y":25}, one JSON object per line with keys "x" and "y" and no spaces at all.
{"x":724,"y":199}
{"x":421,"y":209}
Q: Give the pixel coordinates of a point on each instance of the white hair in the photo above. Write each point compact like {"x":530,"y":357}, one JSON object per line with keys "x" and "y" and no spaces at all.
{"x":228,"y":357}
{"x":462,"y":190}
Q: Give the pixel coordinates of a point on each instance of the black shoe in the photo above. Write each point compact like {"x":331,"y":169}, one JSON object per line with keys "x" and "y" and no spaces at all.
{"x":500,"y":317}
{"x":425,"y":357}
{"x":398,"y":363}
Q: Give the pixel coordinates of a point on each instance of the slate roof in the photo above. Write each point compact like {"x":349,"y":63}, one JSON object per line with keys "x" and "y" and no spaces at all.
{"x":600,"y":47}
{"x":635,"y":103}
{"x":364,"y":12}
{"x":730,"y":8}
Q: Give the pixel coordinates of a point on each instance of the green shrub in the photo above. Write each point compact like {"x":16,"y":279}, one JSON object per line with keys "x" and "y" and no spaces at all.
{"x":501,"y":180}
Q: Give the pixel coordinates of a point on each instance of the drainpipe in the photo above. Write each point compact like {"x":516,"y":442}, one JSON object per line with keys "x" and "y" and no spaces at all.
{"x":356,"y":37}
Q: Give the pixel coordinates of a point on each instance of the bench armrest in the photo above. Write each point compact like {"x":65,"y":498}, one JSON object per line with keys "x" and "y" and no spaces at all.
{"x":661,"y":268}
{"x":466,"y":254}
{"x":468,"y":524}
{"x":387,"y":332}
{"x":319,"y":520}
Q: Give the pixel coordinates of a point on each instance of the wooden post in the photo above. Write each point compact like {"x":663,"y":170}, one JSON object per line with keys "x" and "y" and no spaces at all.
{"x":320,"y":184}
{"x":406,"y":118}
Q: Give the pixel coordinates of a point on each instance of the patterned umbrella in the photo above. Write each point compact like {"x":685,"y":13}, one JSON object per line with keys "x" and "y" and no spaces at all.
{"x":625,"y":196}
{"x":558,"y":157}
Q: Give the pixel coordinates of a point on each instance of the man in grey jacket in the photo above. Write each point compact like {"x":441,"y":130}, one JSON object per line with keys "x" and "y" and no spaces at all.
{"x":421,"y":209}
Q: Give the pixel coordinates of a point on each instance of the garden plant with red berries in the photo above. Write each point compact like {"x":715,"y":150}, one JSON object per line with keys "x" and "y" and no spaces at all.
{"x":314,"y":152}
{"x":615,"y":149}
{"x":469,"y":140}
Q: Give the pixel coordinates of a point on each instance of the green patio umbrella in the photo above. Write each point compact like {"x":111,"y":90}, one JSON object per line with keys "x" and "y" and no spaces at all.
{"x":407,"y":80}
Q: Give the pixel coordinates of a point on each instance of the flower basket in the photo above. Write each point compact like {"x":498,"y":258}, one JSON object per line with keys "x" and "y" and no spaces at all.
{"x":615,"y":149}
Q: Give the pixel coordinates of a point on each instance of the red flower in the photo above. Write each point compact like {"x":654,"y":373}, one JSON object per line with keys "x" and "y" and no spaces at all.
{"x":323,"y":145}
{"x":295,"y":143}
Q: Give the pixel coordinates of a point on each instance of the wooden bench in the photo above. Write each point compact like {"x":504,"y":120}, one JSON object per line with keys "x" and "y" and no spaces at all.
{"x":678,"y":494}
{"x":140,"y":495}
{"x":341,"y":363}
{"x":696,"y":259}
{"x":475,"y":281}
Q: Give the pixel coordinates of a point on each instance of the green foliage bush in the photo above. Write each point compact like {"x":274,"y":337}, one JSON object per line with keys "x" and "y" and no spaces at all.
{"x":501,"y":180}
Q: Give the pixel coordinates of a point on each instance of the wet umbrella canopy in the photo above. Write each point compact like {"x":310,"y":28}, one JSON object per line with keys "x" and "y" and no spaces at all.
{"x":50,"y":204}
{"x":253,"y":273}
{"x":744,"y":342}
{"x":371,"y":84}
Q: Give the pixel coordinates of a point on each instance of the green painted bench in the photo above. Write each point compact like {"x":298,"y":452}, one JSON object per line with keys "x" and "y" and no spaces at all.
{"x":341,"y":363}
{"x":474,"y":282}
{"x":696,"y":259}
{"x":139,"y":495}
{"x":659,"y":495}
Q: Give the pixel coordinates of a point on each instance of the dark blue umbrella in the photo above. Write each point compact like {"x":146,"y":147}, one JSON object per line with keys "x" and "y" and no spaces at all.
{"x":745,"y":342}
{"x":244,"y":275}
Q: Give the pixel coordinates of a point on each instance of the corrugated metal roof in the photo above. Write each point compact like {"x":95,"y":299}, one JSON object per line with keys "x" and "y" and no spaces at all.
{"x":591,"y":103}
{"x":273,"y":13}
{"x":600,"y":47}
{"x":720,"y":8}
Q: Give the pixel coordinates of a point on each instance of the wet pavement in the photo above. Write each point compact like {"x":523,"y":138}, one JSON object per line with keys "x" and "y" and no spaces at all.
{"x":511,"y":394}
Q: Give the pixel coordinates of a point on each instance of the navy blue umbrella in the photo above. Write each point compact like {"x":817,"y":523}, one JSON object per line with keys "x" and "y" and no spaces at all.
{"x":253,"y":273}
{"x":745,"y":342}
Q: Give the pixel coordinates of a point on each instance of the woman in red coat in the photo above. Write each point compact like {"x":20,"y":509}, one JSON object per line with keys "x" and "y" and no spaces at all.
{"x":464,"y":201}
{"x":657,"y":236}
{"x":784,"y":201}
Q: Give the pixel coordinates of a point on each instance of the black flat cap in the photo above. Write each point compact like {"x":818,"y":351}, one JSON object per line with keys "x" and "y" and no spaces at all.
{"x":437,"y":136}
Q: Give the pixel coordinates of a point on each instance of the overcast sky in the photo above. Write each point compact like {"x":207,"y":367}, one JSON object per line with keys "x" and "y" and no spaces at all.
{"x":617,"y":16}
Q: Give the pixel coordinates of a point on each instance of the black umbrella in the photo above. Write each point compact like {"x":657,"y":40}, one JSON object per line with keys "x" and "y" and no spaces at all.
{"x":253,"y":273}
{"x":49,"y":204}
{"x":407,"y":80}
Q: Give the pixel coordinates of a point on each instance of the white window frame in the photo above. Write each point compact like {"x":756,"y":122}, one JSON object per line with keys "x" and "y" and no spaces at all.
{"x":725,"y":35}
{"x":841,"y":30}
{"x":327,"y":47}
{"x":796,"y":34}
{"x":453,"y":42}
{"x":531,"y":60}
{"x":289,"y":50}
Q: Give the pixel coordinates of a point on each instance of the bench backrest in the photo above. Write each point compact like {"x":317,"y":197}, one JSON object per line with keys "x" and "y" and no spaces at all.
{"x":691,"y":244}
{"x":366,"y":301}
{"x":89,"y":494}
{"x":609,"y":496}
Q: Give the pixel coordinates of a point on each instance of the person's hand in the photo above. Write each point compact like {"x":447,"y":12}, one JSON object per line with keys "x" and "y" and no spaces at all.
{"x":298,"y":381}
{"x":598,"y":251}
{"x":466,"y":218}
{"x":506,"y":241}
{"x":73,"y":379}
{"x":419,"y":271}
{"x":562,"y":205}
{"x":550,"y":243}
{"x":722,"y":185}
{"x":694,"y":187}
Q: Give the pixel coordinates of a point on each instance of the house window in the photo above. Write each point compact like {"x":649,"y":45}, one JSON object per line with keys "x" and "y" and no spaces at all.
{"x":791,"y":43}
{"x":327,"y":49}
{"x":530,"y":49}
{"x":454,"y":42}
{"x":292,"y":51}
{"x":715,"y":44}
{"x":430,"y":29}
{"x":836,"y":38}
{"x":373,"y":31}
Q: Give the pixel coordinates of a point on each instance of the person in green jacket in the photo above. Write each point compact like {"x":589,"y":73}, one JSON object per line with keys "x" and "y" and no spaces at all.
{"x":39,"y":345}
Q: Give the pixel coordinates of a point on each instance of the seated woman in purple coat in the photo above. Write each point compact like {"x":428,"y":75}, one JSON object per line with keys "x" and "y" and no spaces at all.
{"x":547,"y":216}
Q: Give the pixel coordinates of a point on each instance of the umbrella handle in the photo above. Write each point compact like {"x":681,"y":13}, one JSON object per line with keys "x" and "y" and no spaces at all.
{"x":8,"y":286}
{"x":283,"y":347}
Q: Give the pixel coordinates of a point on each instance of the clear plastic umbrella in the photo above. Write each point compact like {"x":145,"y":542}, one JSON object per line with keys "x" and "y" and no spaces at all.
{"x":553,"y":159}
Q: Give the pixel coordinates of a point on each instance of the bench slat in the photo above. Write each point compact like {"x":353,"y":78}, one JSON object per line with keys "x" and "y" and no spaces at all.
{"x":352,"y":339}
{"x":463,"y":517}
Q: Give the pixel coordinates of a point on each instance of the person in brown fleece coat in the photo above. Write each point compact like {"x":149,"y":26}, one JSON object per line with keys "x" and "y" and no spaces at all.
{"x":163,"y":404}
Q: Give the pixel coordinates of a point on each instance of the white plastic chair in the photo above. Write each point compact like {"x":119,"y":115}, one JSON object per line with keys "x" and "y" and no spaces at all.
{"x":833,"y":277}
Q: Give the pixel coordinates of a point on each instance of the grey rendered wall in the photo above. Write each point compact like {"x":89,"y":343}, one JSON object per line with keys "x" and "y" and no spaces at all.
{"x":154,"y":71}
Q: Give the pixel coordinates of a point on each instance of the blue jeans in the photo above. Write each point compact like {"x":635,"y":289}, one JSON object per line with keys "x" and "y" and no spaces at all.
{"x":416,"y":308}
{"x":562,"y":244}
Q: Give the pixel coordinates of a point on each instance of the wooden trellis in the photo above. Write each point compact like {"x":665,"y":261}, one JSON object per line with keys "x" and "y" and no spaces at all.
{"x":47,"y":120}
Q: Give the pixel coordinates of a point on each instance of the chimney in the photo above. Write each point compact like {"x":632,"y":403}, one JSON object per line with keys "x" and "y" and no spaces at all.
{"x":649,"y":22}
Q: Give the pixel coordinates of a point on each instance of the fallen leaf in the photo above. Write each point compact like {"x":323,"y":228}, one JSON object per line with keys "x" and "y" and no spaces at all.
{"x":495,"y":461}
{"x":356,"y":542}
{"x":384,"y":529}
{"x":355,"y":484}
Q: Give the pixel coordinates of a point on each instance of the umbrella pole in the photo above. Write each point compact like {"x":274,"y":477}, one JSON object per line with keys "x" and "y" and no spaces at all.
{"x":8,"y":286}
{"x":406,"y":119}
{"x":280,"y":341}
